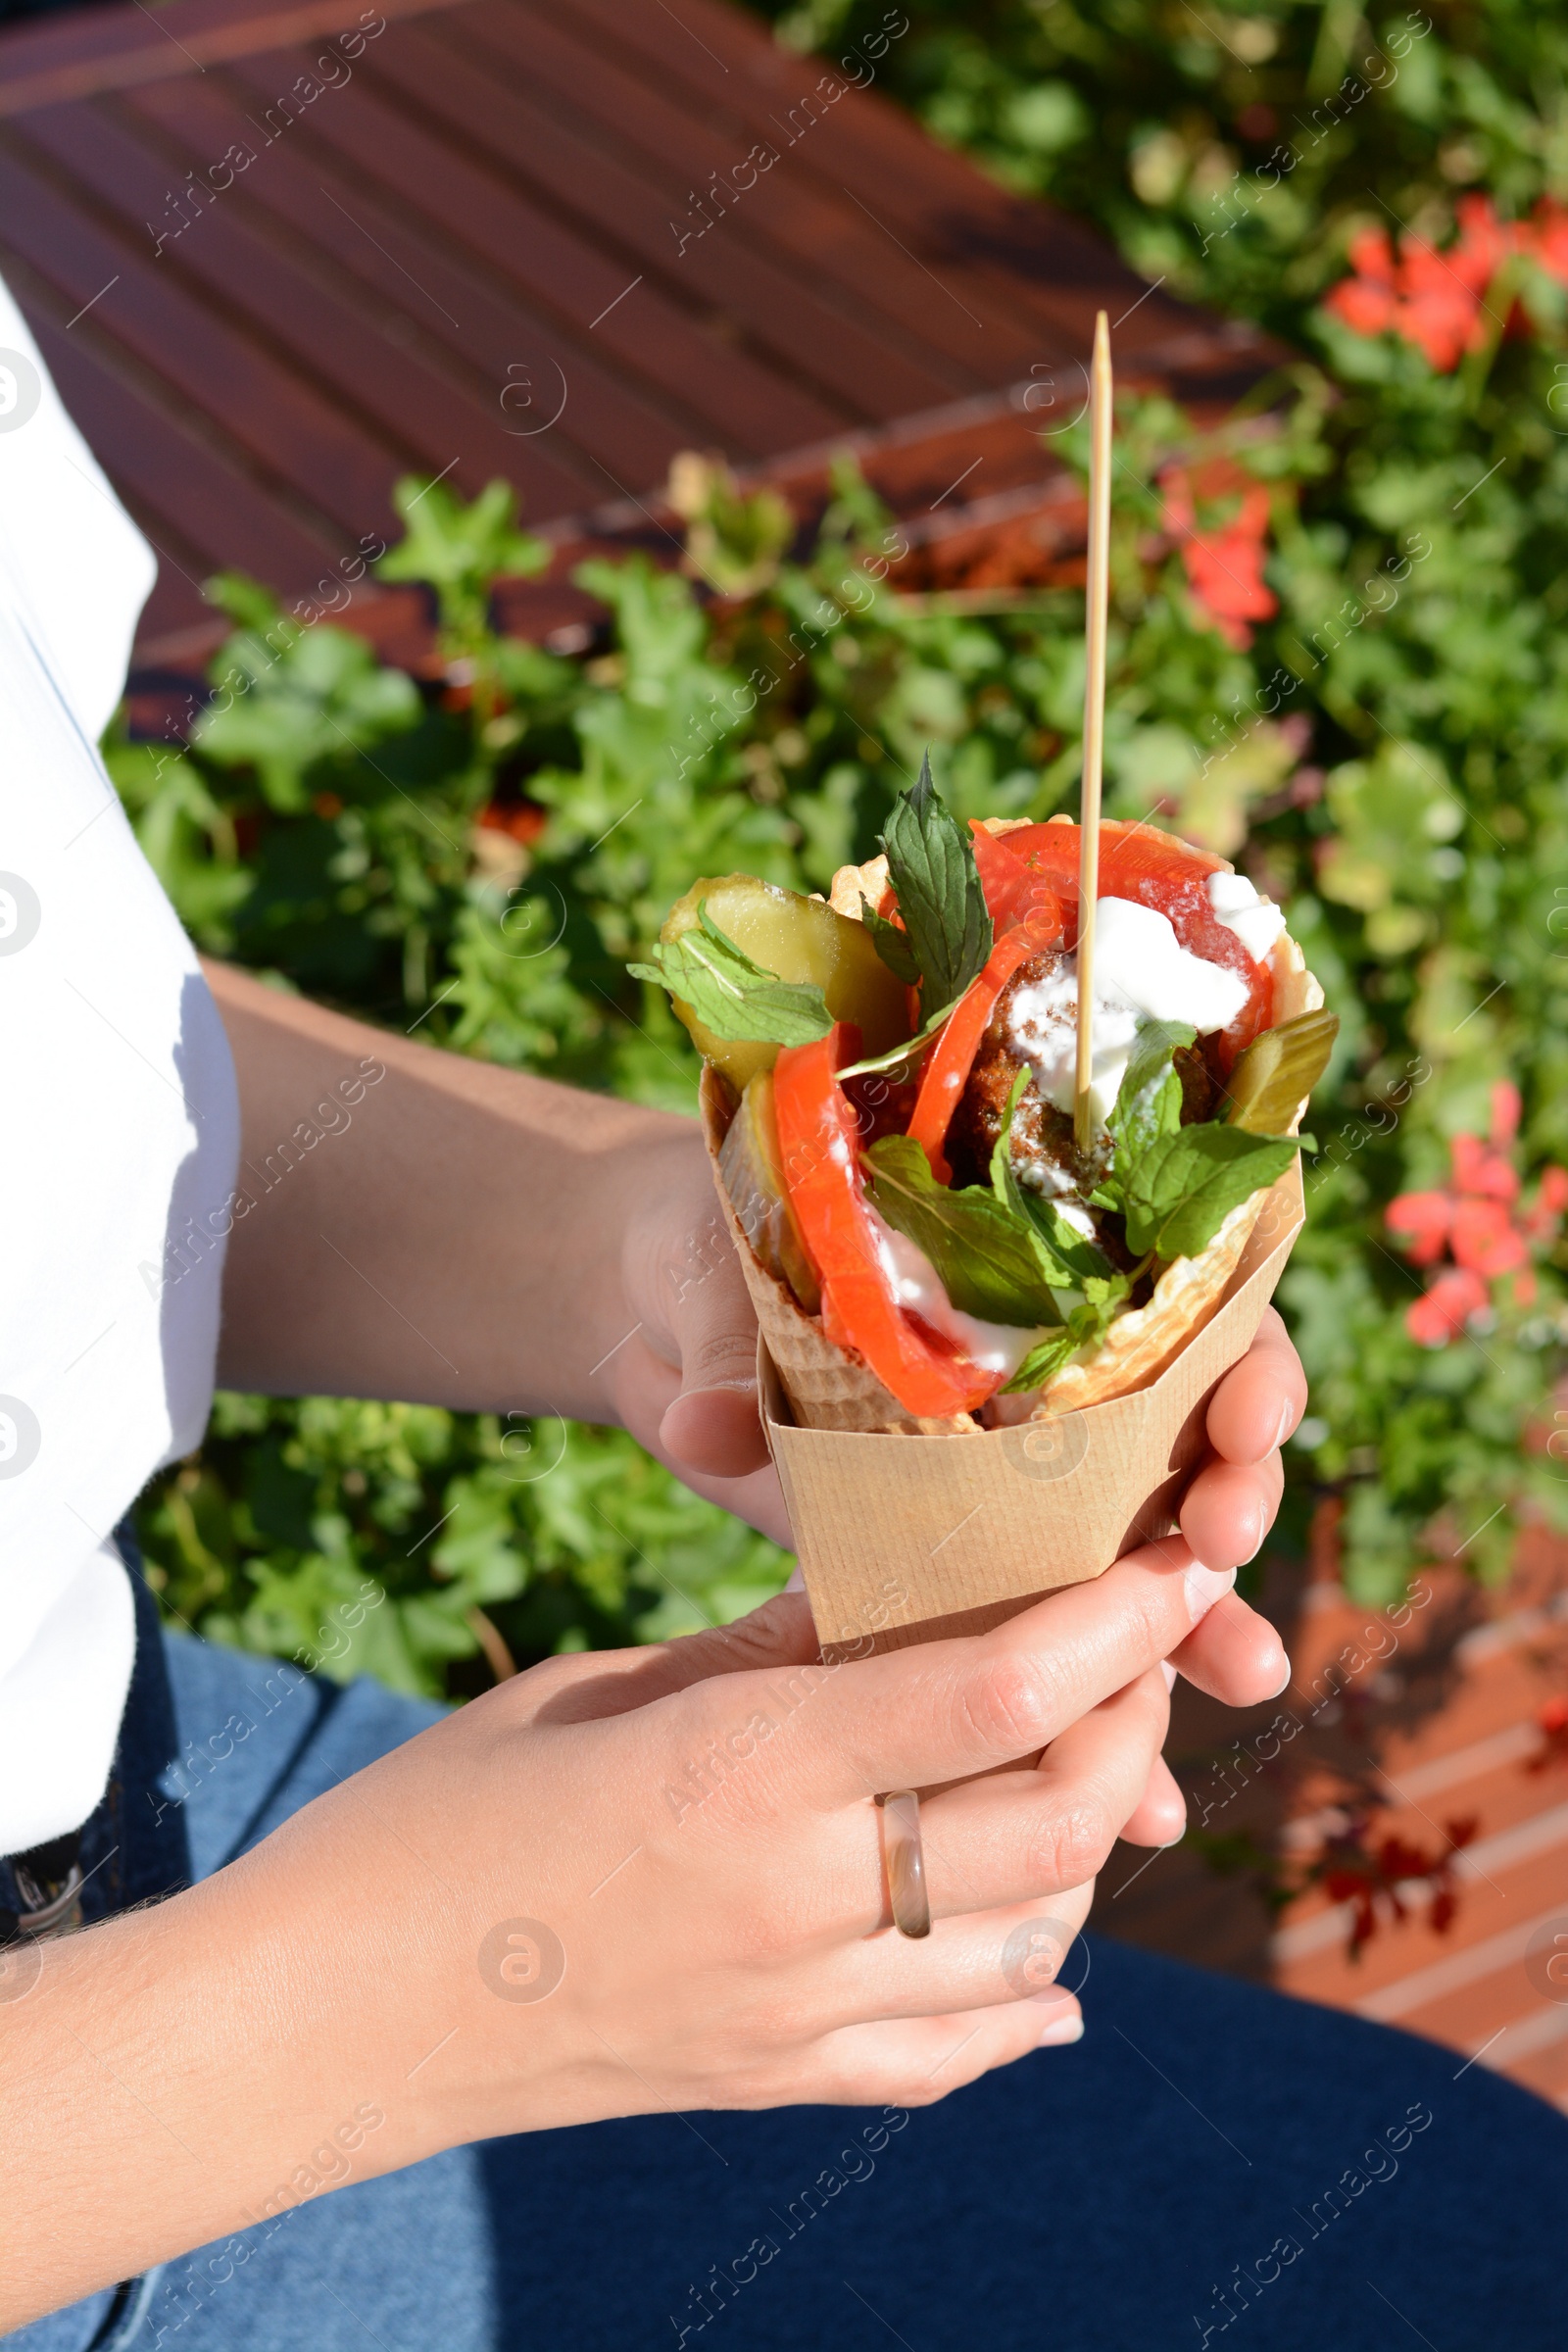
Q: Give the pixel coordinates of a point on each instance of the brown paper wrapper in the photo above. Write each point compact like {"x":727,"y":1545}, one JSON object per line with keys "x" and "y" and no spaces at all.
{"x":913,"y":1537}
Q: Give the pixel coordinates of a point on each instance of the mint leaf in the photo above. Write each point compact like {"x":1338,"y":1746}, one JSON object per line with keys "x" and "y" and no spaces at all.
{"x":1070,"y":1258}
{"x":1040,"y":1363}
{"x":1149,"y":1101}
{"x":931,"y":866}
{"x":986,"y":1257}
{"x":1179,"y":1193}
{"x":892,"y":945}
{"x":729,"y":994}
{"x":1087,"y":1326}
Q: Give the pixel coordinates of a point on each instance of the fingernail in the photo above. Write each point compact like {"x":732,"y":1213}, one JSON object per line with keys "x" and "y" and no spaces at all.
{"x":1203,"y":1587}
{"x":1169,"y":1672}
{"x":1284,"y":1680}
{"x":1260,"y":1518}
{"x":797,"y":1583}
{"x":1061,"y":2029}
{"x":1287,"y":1424}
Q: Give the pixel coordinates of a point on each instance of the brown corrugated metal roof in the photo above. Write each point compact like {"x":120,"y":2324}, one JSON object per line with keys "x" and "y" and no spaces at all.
{"x":278,"y":257}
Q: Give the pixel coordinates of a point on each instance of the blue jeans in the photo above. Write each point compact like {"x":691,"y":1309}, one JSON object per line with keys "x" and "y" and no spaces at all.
{"x":1212,"y":2163}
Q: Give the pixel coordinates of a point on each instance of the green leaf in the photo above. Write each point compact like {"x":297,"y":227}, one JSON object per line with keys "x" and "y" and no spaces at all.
{"x":932,"y":869}
{"x":898,"y":1058}
{"x":1181,"y":1191}
{"x":985,"y":1256}
{"x":1041,"y":1361}
{"x":1278,"y":1070}
{"x":1149,"y":1101}
{"x":730,"y":995}
{"x":450,"y":540}
{"x":892,"y":945}
{"x":290,"y":697}
{"x":1070,"y":1258}
{"x":1086,"y":1327}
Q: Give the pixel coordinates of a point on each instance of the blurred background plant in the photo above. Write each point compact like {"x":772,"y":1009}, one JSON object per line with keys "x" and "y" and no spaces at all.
{"x":1337,"y":657}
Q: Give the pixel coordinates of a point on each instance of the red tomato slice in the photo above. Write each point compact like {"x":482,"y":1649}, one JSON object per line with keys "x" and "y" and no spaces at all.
{"x":1009,"y":884}
{"x":1126,"y":853}
{"x":952,"y":1057}
{"x":1156,"y":871}
{"x":820,"y":1145}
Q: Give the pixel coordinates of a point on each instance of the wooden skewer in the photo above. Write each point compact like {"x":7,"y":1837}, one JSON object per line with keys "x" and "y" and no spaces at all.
{"x":1095,"y":616}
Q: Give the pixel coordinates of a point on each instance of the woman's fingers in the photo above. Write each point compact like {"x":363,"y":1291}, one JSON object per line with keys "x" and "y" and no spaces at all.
{"x":945,"y":1710}
{"x":1235,"y":1655}
{"x":1260,"y":1399}
{"x":1229,"y":1508}
{"x":913,"y":2062}
{"x":1230,"y":1505}
{"x":719,"y":1450}
{"x":1159,"y":1816}
{"x":1016,"y":1836}
{"x":985,"y":1960}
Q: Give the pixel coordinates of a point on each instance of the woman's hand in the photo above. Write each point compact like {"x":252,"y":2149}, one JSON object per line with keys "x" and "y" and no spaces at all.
{"x":622,"y":1882}
{"x":694,"y":1829}
{"x":683,"y":1379}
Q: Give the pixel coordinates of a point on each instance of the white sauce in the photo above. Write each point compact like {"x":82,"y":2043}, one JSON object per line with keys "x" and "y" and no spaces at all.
{"x":1074,"y":1213}
{"x":1256,"y":923}
{"x":916,"y":1284}
{"x":1142,"y":972}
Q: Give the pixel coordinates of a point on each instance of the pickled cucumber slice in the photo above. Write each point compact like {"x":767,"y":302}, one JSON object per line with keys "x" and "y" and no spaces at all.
{"x":1277,"y":1071}
{"x":798,"y":940}
{"x":753,"y":1173}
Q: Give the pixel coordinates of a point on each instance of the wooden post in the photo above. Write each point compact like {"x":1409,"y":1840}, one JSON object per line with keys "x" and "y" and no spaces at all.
{"x":1096,"y":616}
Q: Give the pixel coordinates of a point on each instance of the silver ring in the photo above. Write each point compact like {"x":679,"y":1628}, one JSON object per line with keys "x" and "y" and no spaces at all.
{"x":904,"y":1860}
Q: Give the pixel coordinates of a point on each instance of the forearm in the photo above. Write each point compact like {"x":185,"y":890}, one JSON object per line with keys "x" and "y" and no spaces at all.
{"x":313,"y":2015}
{"x":180,"y":2076}
{"x":416,"y":1224}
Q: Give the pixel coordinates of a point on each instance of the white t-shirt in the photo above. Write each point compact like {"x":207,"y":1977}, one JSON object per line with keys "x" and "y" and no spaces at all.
{"x":120,"y":1123}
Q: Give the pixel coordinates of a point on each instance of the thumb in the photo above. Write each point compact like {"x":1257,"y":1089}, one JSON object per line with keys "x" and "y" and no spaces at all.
{"x":778,"y":1633}
{"x":712,"y":1425}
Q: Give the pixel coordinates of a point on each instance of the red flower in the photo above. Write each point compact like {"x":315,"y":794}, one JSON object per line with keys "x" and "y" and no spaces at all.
{"x":1424,"y":1218}
{"x":1540,"y":1220}
{"x":1438,"y":301}
{"x":1482,"y":1239}
{"x":1224,"y":561}
{"x":1550,"y":242}
{"x":1485,"y":1173}
{"x":1369,"y":301}
{"x":1443,"y":1312}
{"x":1476,"y":1221}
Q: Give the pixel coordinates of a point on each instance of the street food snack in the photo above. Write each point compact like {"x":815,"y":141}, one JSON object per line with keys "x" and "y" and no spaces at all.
{"x":889,"y":1100}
